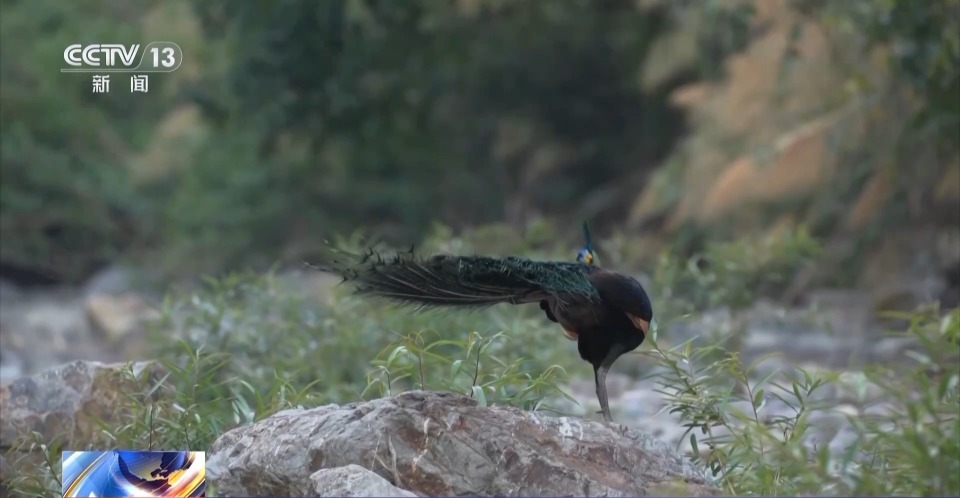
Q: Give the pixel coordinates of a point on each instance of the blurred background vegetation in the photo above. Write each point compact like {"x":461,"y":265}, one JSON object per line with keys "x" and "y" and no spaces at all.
{"x":667,"y":124}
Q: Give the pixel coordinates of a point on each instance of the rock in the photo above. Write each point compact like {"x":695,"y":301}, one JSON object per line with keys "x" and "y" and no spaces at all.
{"x":44,"y":329}
{"x":636,"y":404}
{"x":62,"y":405}
{"x":446,"y":444}
{"x":69,"y":327}
{"x":8,"y":290}
{"x":111,"y":280}
{"x":11,"y":366}
{"x":53,"y":320}
{"x":836,"y":330}
{"x":643,"y":409}
{"x":67,"y":401}
{"x":353,"y":480}
{"x":116,"y":316}
{"x":719,"y":322}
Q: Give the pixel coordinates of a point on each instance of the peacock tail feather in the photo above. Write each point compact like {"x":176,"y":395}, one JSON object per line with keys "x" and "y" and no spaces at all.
{"x":466,"y":281}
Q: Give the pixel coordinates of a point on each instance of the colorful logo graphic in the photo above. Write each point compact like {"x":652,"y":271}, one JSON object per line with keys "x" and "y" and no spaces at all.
{"x":133,"y":473}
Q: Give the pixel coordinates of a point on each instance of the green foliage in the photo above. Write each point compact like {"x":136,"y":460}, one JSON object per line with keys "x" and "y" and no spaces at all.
{"x":905,"y":114}
{"x":924,"y":38}
{"x":396,"y":115}
{"x":540,"y":240}
{"x":231,"y":210}
{"x":911,"y":449}
{"x":725,"y":31}
{"x":731,"y":273}
{"x":264,"y":328}
{"x":66,"y":201}
{"x":327,"y":116}
{"x":34,"y":465}
{"x":485,"y":368}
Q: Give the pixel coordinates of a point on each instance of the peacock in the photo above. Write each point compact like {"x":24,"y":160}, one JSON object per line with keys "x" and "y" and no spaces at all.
{"x":607,"y":313}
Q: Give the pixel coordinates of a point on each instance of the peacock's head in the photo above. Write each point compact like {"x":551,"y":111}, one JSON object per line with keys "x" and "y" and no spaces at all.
{"x":586,"y":254}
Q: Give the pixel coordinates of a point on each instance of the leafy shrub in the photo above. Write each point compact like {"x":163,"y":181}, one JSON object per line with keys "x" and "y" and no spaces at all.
{"x":479,"y":366}
{"x":732,"y":273}
{"x":68,"y":204}
{"x":913,"y":448}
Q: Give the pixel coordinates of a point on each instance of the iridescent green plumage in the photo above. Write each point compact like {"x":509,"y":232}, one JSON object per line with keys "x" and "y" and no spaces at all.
{"x":462,"y":280}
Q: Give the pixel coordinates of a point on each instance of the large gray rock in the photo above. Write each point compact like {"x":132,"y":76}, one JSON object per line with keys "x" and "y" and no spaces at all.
{"x":353,"y":480}
{"x":65,"y":403}
{"x":62,"y":405}
{"x":435,"y":443}
{"x":43,"y":330}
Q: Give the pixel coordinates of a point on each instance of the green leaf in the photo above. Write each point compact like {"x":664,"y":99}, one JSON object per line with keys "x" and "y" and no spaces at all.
{"x":479,"y":396}
{"x":757,"y":399}
{"x":395,"y":353}
{"x":455,"y":368}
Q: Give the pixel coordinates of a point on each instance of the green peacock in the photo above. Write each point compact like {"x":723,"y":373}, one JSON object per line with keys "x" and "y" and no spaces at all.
{"x":605,"y":312}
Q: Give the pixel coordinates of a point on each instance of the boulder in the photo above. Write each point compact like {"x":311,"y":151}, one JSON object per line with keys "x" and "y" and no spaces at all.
{"x":66,"y":402}
{"x":437,"y":443}
{"x":62,"y":406}
{"x":353,"y":480}
{"x":114,"y":317}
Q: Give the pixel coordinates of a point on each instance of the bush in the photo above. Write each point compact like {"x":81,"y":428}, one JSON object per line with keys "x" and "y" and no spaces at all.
{"x":912,"y":448}
{"x":733,"y":273}
{"x":68,"y":205}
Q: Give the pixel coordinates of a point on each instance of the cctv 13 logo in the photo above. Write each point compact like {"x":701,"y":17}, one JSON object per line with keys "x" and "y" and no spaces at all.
{"x":156,"y":57}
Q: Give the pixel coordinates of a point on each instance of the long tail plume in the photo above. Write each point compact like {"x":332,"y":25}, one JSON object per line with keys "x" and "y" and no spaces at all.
{"x":467,"y":281}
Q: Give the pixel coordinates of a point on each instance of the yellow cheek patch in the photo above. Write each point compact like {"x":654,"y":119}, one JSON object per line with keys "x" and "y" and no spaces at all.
{"x":641,"y":324}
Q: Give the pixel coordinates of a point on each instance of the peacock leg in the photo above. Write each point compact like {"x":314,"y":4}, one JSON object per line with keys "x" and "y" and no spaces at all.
{"x":600,"y":376}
